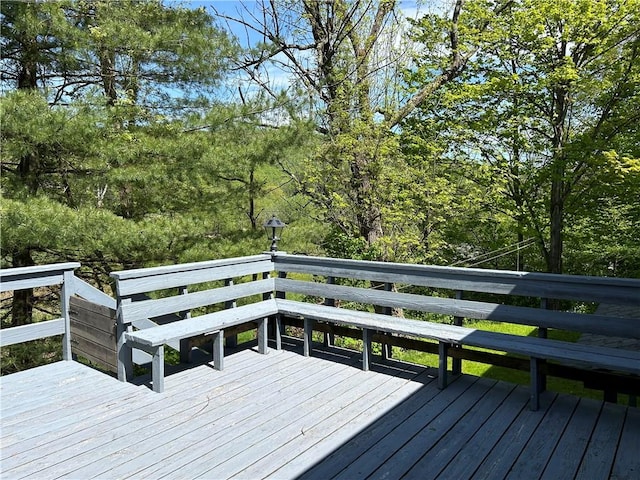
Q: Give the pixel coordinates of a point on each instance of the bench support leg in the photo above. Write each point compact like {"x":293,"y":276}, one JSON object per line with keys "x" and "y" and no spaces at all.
{"x":263,"y":335}
{"x":218,"y":350}
{"x":536,"y":384}
{"x":185,"y":350}
{"x":232,"y":341}
{"x":387,"y":351}
{"x":278,"y":325}
{"x":442,"y":365}
{"x":157,"y":369}
{"x":125,"y":356}
{"x":610,"y":395}
{"x":329,"y":339}
{"x":366,"y":349}
{"x":308,"y":330}
{"x":456,"y":364}
{"x":542,"y":385}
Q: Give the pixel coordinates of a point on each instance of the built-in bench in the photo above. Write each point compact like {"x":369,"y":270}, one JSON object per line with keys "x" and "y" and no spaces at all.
{"x":309,"y":289}
{"x":384,"y":277}
{"x":147,"y":297}
{"x":152,"y":340}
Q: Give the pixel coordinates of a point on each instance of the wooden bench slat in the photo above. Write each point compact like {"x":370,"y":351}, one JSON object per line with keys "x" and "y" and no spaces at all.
{"x":616,"y":359}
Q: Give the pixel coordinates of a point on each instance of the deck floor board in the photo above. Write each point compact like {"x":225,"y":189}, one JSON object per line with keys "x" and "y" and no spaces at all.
{"x":283,"y":415}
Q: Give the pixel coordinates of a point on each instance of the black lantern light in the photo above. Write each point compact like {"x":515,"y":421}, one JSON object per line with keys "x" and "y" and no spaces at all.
{"x":274,"y":229}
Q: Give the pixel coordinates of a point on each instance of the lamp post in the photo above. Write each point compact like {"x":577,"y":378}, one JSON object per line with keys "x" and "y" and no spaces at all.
{"x":274,"y":229}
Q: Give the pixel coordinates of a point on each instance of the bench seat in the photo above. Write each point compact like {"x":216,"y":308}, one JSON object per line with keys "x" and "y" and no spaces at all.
{"x":152,"y":340}
{"x":619,"y":360}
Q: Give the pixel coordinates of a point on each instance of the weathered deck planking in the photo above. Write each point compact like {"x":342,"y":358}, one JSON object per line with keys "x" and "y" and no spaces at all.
{"x":538,"y":450}
{"x":231,"y":416}
{"x":283,"y":415}
{"x":116,"y":428}
{"x":574,"y":439}
{"x":290,"y":459}
{"x":603,"y":444}
{"x":485,"y":438}
{"x":448,"y":446}
{"x":354,"y":398}
{"x":627,"y":462}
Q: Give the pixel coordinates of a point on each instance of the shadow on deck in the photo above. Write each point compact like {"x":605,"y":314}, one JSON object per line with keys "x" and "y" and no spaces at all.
{"x":287,"y":416}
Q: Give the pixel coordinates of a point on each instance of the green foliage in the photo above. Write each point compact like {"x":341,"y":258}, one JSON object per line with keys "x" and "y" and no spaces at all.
{"x":552,"y":87}
{"x":15,"y":358}
{"x":144,"y":53}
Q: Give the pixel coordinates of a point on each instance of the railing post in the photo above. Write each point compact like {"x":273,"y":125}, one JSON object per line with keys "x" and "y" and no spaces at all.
{"x":366,"y":349}
{"x":329,"y":337}
{"x":185,"y":343}
{"x":442,"y":365}
{"x":536,"y":384}
{"x":278,"y":317}
{"x":387,"y":350}
{"x":65,"y":295}
{"x":266,"y":329}
{"x":231,"y":341}
{"x":542,"y":333}
{"x":456,"y":363}
{"x":125,"y":353}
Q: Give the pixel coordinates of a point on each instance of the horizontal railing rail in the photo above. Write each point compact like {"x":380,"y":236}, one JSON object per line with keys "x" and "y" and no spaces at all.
{"x":623,"y":291}
{"x":33,"y":277}
{"x":589,"y":323}
{"x":381,"y":287}
{"x":12,"y":279}
{"x":149,"y":297}
{"x":32,"y":331}
{"x":152,"y":308}
{"x":144,"y":280}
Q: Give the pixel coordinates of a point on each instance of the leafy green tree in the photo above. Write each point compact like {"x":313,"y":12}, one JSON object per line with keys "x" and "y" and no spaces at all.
{"x":346,"y":58}
{"x":247,"y":149}
{"x":87,"y":131}
{"x":554,"y":89}
{"x":144,"y":53}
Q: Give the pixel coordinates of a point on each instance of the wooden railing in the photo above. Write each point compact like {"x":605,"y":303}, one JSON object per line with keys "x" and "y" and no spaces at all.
{"x":41,"y":276}
{"x":459,"y":294}
{"x":462,"y":295}
{"x":62,"y":274}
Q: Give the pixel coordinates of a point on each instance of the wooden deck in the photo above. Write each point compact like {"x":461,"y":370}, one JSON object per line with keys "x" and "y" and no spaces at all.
{"x":282,"y":415}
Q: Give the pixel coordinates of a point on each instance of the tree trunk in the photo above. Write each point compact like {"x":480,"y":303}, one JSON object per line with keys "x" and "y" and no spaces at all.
{"x":558,"y":179}
{"x":107,"y":71}
{"x":252,"y":200}
{"x":22,"y":305}
{"x":554,"y":263}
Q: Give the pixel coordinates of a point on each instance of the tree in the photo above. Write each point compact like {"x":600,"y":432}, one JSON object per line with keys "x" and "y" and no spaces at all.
{"x":88,"y":132}
{"x":554,"y":90}
{"x":245,"y":150}
{"x":137,"y":52}
{"x":343,"y":55}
